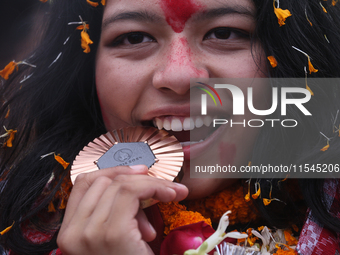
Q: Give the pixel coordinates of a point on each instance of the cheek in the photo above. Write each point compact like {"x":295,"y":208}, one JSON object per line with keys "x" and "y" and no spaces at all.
{"x":111,"y":95}
{"x":239,"y":64}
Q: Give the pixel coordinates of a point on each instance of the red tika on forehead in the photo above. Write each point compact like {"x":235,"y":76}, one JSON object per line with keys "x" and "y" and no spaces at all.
{"x":177,"y":12}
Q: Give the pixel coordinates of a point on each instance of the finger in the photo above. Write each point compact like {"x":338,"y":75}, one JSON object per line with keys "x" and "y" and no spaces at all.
{"x":85,"y":181}
{"x":131,"y":189}
{"x":89,"y":201}
{"x":145,"y":227}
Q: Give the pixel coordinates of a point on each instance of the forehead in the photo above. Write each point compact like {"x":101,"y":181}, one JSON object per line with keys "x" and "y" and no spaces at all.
{"x":173,"y":11}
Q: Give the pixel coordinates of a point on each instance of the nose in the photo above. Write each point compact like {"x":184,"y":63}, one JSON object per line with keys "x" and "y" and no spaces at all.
{"x":177,"y":66}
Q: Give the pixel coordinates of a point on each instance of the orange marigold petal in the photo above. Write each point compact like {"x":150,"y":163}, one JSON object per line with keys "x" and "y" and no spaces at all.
{"x":85,"y":41}
{"x":291,"y":240}
{"x":7,"y":229}
{"x":8,"y":70}
{"x":272,"y":61}
{"x":266,"y":201}
{"x":247,"y":197}
{"x":296,"y":229}
{"x":257,"y":194}
{"x":7,"y":114}
{"x":281,"y":15}
{"x":334,"y":2}
{"x":325,"y":148}
{"x":44,"y":1}
{"x":51,"y":207}
{"x":260,"y":228}
{"x":81,"y":27}
{"x":61,"y":161}
{"x":311,"y":67}
{"x":62,"y":204}
{"x":11,"y":137}
{"x":104,"y":2}
{"x":94,"y":4}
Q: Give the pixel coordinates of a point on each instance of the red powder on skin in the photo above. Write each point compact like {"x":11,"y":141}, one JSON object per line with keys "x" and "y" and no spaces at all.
{"x":227,"y":153}
{"x":181,"y":55}
{"x":177,"y":12}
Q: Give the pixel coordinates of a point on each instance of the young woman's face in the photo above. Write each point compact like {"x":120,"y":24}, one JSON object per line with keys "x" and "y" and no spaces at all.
{"x":149,"y":50}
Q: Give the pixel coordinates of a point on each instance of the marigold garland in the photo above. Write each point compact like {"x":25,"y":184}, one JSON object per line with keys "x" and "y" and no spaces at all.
{"x":232,"y":199}
{"x":209,"y":209}
{"x":176,"y":215}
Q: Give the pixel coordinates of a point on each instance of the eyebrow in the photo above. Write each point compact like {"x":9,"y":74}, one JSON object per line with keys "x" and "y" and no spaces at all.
{"x":218,"y":12}
{"x":145,"y":16}
{"x":142,"y":16}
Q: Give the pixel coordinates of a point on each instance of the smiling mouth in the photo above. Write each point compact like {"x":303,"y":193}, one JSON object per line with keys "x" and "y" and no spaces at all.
{"x":187,"y":130}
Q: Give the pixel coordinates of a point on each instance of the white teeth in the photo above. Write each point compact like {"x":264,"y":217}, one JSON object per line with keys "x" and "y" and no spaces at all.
{"x":158,"y":123}
{"x":187,"y":123}
{"x":199,"y":122}
{"x":207,"y":120}
{"x":167,"y":124}
{"x":176,"y":125}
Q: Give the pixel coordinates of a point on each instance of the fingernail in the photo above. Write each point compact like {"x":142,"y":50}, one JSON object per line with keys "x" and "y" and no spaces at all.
{"x":179,"y":184}
{"x":138,"y":167}
{"x":152,"y":229}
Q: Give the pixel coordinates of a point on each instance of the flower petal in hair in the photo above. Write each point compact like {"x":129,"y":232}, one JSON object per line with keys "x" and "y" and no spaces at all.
{"x":272,"y":61}
{"x":8,"y":70}
{"x":94,"y":4}
{"x":281,"y":15}
{"x":85,"y":38}
{"x":58,"y":158}
{"x":10,"y":67}
{"x":7,"y":229}
{"x":310,"y":66}
{"x":326,"y":146}
{"x":10,"y":135}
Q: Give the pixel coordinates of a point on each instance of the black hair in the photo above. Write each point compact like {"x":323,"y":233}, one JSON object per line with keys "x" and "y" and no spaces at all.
{"x":56,"y":110}
{"x":317,"y":33}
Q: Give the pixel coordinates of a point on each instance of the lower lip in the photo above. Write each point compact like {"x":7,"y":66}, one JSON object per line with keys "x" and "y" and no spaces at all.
{"x":197,"y":149}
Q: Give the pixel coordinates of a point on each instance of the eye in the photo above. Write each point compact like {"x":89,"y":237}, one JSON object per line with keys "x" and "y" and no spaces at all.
{"x":132,"y":38}
{"x":224,"y":33}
